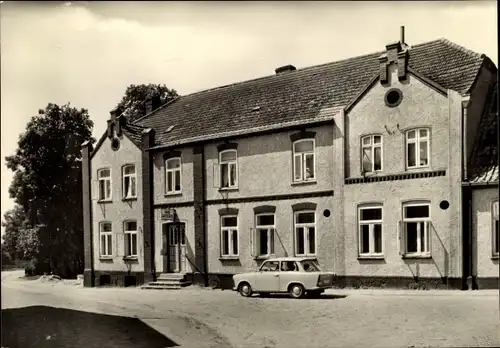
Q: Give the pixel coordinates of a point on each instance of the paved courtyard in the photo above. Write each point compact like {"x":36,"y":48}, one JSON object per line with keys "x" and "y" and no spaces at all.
{"x":197,"y":317}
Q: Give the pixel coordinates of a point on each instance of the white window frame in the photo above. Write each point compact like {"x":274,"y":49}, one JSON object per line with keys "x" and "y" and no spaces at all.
{"x":494,"y":224}
{"x":229,"y":163}
{"x":106,"y":181}
{"x":173,"y":171}
{"x":128,"y":194}
{"x":302,"y":157}
{"x":417,"y":140}
{"x":230,"y":230}
{"x":271,"y":235}
{"x":426,"y":234}
{"x":372,"y":146}
{"x":107,"y":240}
{"x":129,"y":235}
{"x":371,"y":224}
{"x":306,"y":227}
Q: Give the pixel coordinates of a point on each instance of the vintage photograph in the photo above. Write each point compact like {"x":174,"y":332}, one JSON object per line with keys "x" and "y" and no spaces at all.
{"x":249,"y":174}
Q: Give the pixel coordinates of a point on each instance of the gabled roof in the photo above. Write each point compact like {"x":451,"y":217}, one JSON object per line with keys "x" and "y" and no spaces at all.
{"x":484,"y":155}
{"x":131,"y":131}
{"x":297,"y":97}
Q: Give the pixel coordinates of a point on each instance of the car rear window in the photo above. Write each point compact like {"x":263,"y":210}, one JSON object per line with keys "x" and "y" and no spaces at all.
{"x":310,"y":266}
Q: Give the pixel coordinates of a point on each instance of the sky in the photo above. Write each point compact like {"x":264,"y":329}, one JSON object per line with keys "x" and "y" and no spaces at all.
{"x":87,"y":53}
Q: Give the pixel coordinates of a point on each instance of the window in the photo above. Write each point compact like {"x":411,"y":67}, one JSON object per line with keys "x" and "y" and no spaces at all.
{"x":130,"y":230}
{"x":496,"y":234}
{"x":289,"y":266}
{"x":303,"y":160}
{"x":416,"y":229}
{"x":270,"y":266}
{"x":371,"y":146}
{"x":305,"y":233}
{"x":104,"y":176}
{"x":106,"y":239}
{"x":229,"y":236}
{"x":228,"y":168}
{"x":129,"y":182}
{"x":264,"y":235}
{"x":370,"y":231}
{"x":173,"y":175}
{"x":417,"y":148}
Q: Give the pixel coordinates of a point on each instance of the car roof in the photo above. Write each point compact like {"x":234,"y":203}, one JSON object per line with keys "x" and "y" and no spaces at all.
{"x":290,"y":259}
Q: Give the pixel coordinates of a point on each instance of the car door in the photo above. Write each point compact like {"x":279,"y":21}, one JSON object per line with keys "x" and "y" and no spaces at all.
{"x":289,"y":273}
{"x":268,"y":278}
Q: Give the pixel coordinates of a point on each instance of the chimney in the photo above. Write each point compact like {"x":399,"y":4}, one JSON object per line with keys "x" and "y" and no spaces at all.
{"x":152,"y":103}
{"x":402,"y":40}
{"x":112,"y":122}
{"x":285,"y":68}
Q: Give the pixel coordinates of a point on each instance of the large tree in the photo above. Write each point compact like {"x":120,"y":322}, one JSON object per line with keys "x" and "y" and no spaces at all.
{"x":134,"y":101}
{"x":47,"y":185}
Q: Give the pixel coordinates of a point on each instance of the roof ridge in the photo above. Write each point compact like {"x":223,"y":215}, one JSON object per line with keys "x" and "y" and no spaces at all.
{"x":153,"y":111}
{"x":271,"y":75}
{"x":330,"y":63}
{"x":462,"y":48}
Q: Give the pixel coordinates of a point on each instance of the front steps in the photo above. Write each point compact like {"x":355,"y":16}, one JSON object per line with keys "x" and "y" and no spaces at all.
{"x":168,"y":281}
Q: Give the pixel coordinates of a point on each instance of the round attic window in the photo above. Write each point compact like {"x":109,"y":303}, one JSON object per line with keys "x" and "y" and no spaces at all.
{"x":115,"y":144}
{"x":393,"y":97}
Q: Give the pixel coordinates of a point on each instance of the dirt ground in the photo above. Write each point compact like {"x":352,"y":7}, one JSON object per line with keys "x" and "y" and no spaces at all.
{"x":199,"y":317}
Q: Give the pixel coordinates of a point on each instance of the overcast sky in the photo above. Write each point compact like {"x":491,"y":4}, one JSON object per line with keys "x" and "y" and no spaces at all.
{"x":88,"y":53}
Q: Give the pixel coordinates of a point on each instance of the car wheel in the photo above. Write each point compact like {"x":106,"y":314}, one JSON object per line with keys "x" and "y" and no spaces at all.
{"x":245,"y":289}
{"x":296,"y":291}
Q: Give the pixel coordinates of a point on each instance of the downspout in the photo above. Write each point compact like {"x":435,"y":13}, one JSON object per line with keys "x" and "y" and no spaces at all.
{"x":204,"y":210}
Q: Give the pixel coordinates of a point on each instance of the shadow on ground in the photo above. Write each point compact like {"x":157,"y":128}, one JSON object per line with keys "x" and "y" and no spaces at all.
{"x":322,"y":297}
{"x":41,"y":326}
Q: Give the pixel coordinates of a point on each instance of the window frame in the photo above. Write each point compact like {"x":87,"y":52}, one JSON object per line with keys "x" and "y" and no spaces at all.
{"x":130,"y":176}
{"x":371,"y":223}
{"x":303,"y":156}
{"x":494,"y":224}
{"x":108,"y":240}
{"x":271,"y":231}
{"x":231,"y":253}
{"x":417,"y":140}
{"x":173,"y":171}
{"x":427,"y":230}
{"x":229,"y":163}
{"x":306,"y":235}
{"x":131,"y":233}
{"x":372,"y":146}
{"x":105,"y":179}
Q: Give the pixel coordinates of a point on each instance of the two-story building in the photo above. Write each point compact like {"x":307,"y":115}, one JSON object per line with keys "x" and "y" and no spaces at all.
{"x":361,"y":163}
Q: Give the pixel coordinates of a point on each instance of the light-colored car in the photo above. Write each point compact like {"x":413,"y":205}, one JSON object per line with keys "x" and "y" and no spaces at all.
{"x":294,"y":275}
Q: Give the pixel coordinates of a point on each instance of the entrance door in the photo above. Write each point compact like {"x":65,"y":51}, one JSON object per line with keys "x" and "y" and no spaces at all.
{"x":176,"y":241}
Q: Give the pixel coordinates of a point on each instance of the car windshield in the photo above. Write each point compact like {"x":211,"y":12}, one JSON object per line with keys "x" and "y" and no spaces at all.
{"x":310,"y":266}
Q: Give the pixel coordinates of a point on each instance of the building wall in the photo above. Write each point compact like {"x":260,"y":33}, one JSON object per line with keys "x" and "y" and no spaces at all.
{"x":265,"y":165}
{"x":187,"y":175}
{"x":421,"y":105}
{"x":118,"y":210}
{"x":484,"y":266}
{"x":284,"y":240}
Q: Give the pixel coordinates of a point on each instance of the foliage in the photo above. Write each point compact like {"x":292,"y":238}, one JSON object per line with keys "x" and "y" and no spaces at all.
{"x":14,"y":221}
{"x":47,"y":186}
{"x":133,"y":102}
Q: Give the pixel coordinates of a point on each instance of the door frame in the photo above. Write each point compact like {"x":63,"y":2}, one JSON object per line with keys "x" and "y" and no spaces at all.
{"x":166,"y":257}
